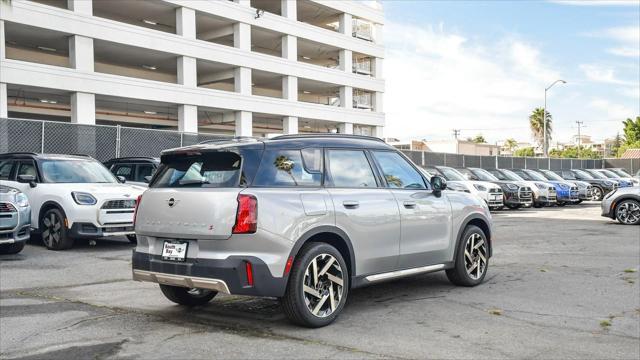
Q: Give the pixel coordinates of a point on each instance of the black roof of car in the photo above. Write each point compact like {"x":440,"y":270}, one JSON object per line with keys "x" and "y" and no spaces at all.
{"x":129,"y":159}
{"x":32,"y":155}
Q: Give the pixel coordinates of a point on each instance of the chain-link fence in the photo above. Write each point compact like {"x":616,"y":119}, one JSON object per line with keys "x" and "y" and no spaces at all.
{"x":105,"y":142}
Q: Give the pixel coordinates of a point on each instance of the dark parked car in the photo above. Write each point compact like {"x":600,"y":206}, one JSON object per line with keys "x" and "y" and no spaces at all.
{"x":600,"y":187}
{"x":626,"y":175}
{"x":515,"y":196}
{"x":136,"y":170}
{"x":622,"y":180}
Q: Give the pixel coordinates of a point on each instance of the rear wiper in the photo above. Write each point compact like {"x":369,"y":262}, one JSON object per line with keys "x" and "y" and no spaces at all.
{"x":194,"y":182}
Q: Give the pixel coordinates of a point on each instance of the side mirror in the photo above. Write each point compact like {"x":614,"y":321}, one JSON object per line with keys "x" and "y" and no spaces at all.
{"x":147,"y":179}
{"x":438,"y":183}
{"x":27,"y":179}
{"x":121,"y":179}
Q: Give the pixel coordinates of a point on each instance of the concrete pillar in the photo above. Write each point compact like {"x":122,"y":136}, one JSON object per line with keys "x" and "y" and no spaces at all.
{"x":346,"y":97}
{"x":346,"y":60}
{"x":83,"y":7}
{"x":290,"y":47}
{"x":243,"y":2}
{"x":289,"y":9}
{"x":378,"y":131}
{"x":187,"y":71}
{"x":290,"y":125}
{"x":242,"y":36}
{"x":244,"y":123}
{"x":3,"y":50}
{"x":376,"y":67}
{"x":188,"y":118}
{"x":186,"y":22}
{"x":346,"y":24}
{"x":81,"y":53}
{"x":378,"y":102}
{"x":290,"y":88}
{"x":83,"y":108}
{"x":378,"y":34}
{"x":4,"y":101}
{"x":345,"y":128}
{"x":242,"y":80}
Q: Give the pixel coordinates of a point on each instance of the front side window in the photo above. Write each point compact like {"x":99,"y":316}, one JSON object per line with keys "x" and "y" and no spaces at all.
{"x":285,"y":168}
{"x":213,"y":169}
{"x":398,"y":173}
{"x":27,"y":168}
{"x":76,"y":171}
{"x":349,"y":169}
{"x":5,"y":169}
{"x":125,"y":171}
{"x":144,"y":171}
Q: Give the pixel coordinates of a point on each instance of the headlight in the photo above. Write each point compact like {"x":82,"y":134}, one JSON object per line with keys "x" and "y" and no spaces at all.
{"x":608,"y":183}
{"x":82,"y":198}
{"x":541,"y":186}
{"x":22,"y":200}
{"x":479,"y":187}
{"x":512,"y":186}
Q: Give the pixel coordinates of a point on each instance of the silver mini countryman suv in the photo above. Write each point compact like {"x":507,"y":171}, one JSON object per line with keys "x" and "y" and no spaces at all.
{"x":304,"y":218}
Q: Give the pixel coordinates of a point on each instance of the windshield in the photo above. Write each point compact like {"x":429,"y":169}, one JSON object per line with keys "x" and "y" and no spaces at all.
{"x":609,"y":174}
{"x":523,"y":175}
{"x":620,"y":172}
{"x":76,"y":171}
{"x":452,"y":174}
{"x":582,"y":175}
{"x":512,"y":176}
{"x":484,"y":175}
{"x":535,"y":175}
{"x":551,"y":175}
{"x":498,"y":174}
{"x":215,"y":169}
{"x":597,"y":175}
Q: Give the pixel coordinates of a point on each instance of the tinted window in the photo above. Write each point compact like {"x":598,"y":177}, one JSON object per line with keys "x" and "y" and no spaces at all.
{"x":144,"y":171}
{"x":5,"y":169}
{"x":498,"y":174}
{"x":27,"y":168}
{"x":214,"y":169}
{"x":568,"y":175}
{"x":126,"y":170}
{"x":349,"y":168}
{"x":287,"y":168}
{"x":397,"y":171}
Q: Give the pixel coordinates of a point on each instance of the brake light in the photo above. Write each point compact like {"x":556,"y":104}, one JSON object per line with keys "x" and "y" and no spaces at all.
{"x":249,"y":269}
{"x":247,"y":215}
{"x":135,"y":211}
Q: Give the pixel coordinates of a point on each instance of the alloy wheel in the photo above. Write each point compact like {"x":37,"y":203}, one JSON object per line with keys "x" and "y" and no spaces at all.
{"x":323,"y":285}
{"x":628,"y":212}
{"x":52,"y":230}
{"x":475,"y":256}
{"x":597,"y":194}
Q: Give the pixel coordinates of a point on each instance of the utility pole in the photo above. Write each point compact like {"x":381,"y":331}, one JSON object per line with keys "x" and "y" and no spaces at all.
{"x":456,"y":132}
{"x":545,"y":146}
{"x":579,"y":138}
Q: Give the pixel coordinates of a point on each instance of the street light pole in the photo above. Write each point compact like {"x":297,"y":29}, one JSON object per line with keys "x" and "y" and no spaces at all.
{"x":545,"y":150}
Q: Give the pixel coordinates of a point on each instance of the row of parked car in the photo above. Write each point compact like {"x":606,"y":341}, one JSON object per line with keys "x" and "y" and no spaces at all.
{"x":68,"y":197}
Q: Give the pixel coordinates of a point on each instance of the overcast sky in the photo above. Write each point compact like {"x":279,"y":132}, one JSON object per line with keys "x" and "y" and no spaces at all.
{"x":482,"y":66}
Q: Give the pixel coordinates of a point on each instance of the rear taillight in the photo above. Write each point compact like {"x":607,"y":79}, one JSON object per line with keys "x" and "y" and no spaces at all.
{"x":135,"y":211}
{"x":247,"y":215}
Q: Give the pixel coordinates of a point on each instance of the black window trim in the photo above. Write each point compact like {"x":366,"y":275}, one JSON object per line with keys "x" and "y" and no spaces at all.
{"x":35,"y":165}
{"x":134,"y":165}
{"x":376,"y":175}
{"x":137,"y":170}
{"x":411,"y":164}
{"x":322,"y":169}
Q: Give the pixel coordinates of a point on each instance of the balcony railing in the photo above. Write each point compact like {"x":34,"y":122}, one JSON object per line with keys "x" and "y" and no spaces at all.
{"x":362,"y":66}
{"x":362,"y":100}
{"x":362,"y":29}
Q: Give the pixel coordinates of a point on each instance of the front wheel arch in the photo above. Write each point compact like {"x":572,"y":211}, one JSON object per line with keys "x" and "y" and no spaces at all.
{"x":480,"y":222}
{"x":48,"y":206}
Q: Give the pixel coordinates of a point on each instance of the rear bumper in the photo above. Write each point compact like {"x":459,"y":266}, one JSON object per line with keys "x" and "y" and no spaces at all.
{"x":224,"y":275}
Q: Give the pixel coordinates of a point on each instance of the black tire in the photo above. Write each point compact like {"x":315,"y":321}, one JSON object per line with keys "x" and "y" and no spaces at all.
{"x":624,"y":220}
{"x":561,"y":203}
{"x":538,"y":205}
{"x":132,"y":239}
{"x":513,"y":207}
{"x":53,"y":231}
{"x":459,"y":275}
{"x":499,"y":208}
{"x":597,"y":193}
{"x":578,"y":202}
{"x":186,"y":296}
{"x":9,"y":249}
{"x":294,"y":303}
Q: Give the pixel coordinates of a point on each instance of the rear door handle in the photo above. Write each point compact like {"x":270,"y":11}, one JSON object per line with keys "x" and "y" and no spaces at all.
{"x":409,"y":204}
{"x":350,"y":204}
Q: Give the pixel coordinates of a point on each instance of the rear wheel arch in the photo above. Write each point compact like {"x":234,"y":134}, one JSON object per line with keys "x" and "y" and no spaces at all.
{"x":329,"y":235}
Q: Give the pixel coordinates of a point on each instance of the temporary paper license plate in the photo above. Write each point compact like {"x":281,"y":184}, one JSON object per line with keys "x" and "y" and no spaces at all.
{"x":175,"y":250}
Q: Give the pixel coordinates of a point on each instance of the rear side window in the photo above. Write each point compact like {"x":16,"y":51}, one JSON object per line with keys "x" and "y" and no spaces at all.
{"x":349,"y":169}
{"x":214,"y":169}
{"x":144,"y":171}
{"x":398,"y":172}
{"x":285,"y":168}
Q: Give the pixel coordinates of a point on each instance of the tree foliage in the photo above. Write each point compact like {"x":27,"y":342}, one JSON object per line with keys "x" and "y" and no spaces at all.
{"x":511,"y":144}
{"x":537,"y":125}
{"x":479,"y":139}
{"x":631,"y":135}
{"x":573,"y":153}
{"x":528,"y":151}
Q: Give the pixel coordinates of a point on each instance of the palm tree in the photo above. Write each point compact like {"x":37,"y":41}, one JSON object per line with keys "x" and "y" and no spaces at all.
{"x":285,"y":164}
{"x":537,"y":126}
{"x":510,"y":144}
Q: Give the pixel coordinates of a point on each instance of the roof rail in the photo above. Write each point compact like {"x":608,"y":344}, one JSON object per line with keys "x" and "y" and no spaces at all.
{"x":345,"y":136}
{"x":133,"y":157}
{"x":223,"y":138}
{"x":19,"y":153}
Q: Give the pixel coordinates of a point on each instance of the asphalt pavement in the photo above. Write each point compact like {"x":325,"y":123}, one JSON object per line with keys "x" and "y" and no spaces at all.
{"x":563,"y":283}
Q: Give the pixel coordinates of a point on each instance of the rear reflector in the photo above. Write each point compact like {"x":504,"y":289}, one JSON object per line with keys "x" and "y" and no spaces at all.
{"x":247,"y":215}
{"x":287,"y":267}
{"x":249,"y":269}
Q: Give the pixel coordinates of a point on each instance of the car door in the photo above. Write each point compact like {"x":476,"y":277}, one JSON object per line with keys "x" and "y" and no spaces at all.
{"x":364,"y":209}
{"x":425,"y":217}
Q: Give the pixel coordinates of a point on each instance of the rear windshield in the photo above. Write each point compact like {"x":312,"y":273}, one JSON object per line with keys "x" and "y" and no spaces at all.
{"x":213,"y":169}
